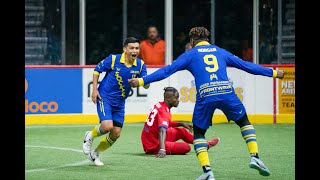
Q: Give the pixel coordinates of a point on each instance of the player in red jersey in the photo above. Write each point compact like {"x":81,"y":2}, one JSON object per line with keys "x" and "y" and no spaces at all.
{"x":160,"y":134}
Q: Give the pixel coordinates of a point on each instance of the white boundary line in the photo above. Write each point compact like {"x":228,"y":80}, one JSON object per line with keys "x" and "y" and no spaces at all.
{"x":66,"y":165}
{"x":56,"y":167}
{"x":78,"y":125}
{"x":58,"y":148}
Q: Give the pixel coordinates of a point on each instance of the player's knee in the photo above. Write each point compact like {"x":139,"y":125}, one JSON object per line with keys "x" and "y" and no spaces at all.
{"x":106,"y":128}
{"x":198,"y":132}
{"x":243,"y":121}
{"x":114,"y":134}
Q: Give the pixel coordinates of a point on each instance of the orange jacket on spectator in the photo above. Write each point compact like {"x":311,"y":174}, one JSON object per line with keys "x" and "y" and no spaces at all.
{"x":152,"y":54}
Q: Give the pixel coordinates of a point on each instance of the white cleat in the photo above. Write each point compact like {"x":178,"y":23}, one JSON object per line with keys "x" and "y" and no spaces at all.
{"x":206,"y":176}
{"x":94,"y":157}
{"x":87,"y":143}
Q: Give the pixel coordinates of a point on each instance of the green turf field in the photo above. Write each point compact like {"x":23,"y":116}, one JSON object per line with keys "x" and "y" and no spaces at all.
{"x":55,"y":152}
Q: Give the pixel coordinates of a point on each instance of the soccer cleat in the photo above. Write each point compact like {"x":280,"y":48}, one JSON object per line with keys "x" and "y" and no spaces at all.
{"x":94,"y":157}
{"x":206,"y":176}
{"x":87,"y":143}
{"x":257,"y":164}
{"x":213,"y":142}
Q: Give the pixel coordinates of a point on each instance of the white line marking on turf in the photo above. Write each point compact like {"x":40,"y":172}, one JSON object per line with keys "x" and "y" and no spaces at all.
{"x":77,"y":125}
{"x":57,"y":126}
{"x":57,"y":148}
{"x":66,"y":165}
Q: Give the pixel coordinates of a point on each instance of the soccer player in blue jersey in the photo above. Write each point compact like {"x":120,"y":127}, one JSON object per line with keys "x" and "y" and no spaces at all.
{"x":111,"y":94}
{"x":208,"y":64}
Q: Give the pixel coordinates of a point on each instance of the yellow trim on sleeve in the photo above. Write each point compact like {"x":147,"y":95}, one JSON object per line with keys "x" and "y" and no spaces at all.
{"x":113,"y":57}
{"x":274,"y":73}
{"x":96,"y":73}
{"x":141,"y":82}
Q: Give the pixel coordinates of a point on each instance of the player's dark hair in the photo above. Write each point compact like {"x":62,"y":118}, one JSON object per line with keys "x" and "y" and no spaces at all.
{"x":130,"y":40}
{"x":172,"y":89}
{"x":199,"y":33}
{"x":169,"y":89}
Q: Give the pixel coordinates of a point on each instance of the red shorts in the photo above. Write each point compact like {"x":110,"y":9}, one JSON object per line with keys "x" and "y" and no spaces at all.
{"x":173,"y":147}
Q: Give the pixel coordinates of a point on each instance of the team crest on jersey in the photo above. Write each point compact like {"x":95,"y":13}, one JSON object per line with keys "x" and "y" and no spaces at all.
{"x":213,"y":76}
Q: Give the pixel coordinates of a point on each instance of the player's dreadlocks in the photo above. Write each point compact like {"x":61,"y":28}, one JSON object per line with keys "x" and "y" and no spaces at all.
{"x":199,"y":33}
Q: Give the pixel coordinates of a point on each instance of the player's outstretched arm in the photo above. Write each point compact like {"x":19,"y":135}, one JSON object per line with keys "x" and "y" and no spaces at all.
{"x":252,"y":68}
{"x":180,"y":63}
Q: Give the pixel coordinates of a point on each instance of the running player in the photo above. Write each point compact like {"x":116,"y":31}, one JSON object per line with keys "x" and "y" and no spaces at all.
{"x":111,"y":94}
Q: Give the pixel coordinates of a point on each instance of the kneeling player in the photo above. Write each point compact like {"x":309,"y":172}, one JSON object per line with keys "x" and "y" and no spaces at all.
{"x":160,"y":134}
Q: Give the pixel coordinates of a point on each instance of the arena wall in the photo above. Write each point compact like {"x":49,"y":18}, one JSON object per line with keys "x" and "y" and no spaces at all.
{"x":61,"y":95}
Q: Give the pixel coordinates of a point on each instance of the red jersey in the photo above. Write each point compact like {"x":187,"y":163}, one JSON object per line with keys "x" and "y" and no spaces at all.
{"x":159,"y":116}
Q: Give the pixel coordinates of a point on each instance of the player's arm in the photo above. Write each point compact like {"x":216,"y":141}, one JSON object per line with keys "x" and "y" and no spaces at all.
{"x":180,"y":63}
{"x":162,"y":138}
{"x":178,"y":124}
{"x":163,"y":124}
{"x":102,"y":66}
{"x":252,"y":68}
{"x":143,"y":72}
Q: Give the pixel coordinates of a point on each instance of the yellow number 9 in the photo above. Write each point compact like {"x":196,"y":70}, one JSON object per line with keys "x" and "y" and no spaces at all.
{"x":210,"y":59}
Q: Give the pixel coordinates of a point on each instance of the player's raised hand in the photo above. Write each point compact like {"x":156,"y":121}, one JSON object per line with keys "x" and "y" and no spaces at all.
{"x":280,"y":73}
{"x":161,"y":154}
{"x":95,"y":95}
{"x":134,"y":82}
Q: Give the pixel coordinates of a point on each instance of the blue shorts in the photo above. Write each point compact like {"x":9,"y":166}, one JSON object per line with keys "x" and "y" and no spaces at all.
{"x":107,"y":111}
{"x":232,"y":107}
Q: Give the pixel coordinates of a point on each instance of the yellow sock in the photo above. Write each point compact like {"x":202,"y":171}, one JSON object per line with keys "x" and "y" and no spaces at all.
{"x":252,"y":147}
{"x":203,"y":159}
{"x":201,"y":148}
{"x":105,"y":143}
{"x":96,"y":132}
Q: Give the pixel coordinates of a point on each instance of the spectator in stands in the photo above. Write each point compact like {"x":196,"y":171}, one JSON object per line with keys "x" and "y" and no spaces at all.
{"x":152,"y":49}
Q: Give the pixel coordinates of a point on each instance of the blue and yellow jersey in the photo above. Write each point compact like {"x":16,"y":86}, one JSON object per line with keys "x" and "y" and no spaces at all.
{"x":114,"y":86}
{"x":208,"y":64}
